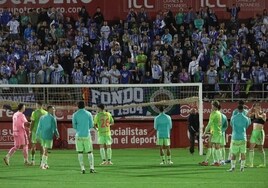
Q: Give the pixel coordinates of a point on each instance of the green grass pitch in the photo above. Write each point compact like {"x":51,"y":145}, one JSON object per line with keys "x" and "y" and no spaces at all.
{"x":132,"y":168}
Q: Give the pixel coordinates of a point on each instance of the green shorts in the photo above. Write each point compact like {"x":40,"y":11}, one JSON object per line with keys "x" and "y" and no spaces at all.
{"x":163,"y":142}
{"x":238,"y":146}
{"x":216,"y":139}
{"x":83,"y":144}
{"x":34,"y":138}
{"x":105,"y":140}
{"x":257,"y":137}
{"x":223,"y":140}
{"x":47,"y":143}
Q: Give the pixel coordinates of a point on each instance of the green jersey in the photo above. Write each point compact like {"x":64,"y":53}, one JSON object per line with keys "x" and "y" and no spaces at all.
{"x":35,"y":117}
{"x":103,"y":121}
{"x":214,"y":123}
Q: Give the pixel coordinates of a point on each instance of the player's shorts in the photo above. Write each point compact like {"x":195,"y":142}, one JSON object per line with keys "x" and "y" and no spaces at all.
{"x":83,"y":144}
{"x":105,"y":140}
{"x":238,"y":146}
{"x":216,"y":139}
{"x":21,"y":139}
{"x":47,"y":143}
{"x":163,"y":142}
{"x":34,"y":138}
{"x":223,"y":140}
{"x":257,"y":137}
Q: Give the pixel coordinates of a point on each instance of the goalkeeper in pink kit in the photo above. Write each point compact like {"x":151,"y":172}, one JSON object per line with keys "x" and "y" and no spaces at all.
{"x":20,"y":135}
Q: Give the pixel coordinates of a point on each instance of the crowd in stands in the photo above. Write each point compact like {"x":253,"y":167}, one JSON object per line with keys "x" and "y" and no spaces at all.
{"x":47,"y":47}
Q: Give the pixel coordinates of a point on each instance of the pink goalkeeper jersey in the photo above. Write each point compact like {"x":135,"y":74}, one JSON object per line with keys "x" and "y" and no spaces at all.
{"x":18,"y":124}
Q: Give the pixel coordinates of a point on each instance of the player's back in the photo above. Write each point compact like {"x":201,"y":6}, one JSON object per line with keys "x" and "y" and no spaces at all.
{"x":239,"y":123}
{"x":215,"y":119}
{"x":47,"y":127}
{"x":36,"y":115}
{"x":163,"y":124}
{"x":103,"y":120}
{"x":82,"y":121}
{"x":18,"y":121}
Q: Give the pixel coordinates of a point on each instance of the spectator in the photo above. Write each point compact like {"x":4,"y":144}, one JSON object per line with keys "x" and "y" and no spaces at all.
{"x":98,"y":17}
{"x":125,"y":75}
{"x":234,"y":11}
{"x":184,"y":76}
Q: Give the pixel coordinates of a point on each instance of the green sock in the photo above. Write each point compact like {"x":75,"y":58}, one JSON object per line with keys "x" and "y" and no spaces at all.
{"x":102,"y":153}
{"x":80,"y":159}
{"x":223,"y":153}
{"x":208,"y":154}
{"x":251,"y":157}
{"x":263,"y":158}
{"x":169,"y":157}
{"x":91,"y":160}
{"x":218,"y":155}
{"x":46,"y":157}
{"x":162,"y":158}
{"x":242,"y":165}
{"x":43,"y":161}
{"x":233,"y":163}
{"x":213,"y":154}
{"x":109,"y":154}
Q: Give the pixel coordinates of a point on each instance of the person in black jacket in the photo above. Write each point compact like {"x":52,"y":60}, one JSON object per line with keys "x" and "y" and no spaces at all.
{"x":193,"y":127}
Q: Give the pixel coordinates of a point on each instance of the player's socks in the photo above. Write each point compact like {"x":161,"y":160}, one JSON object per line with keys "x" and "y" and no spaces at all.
{"x":169,"y":160}
{"x":233,"y":162}
{"x":213,"y":154}
{"x":91,"y":160}
{"x":218,"y":155}
{"x":109,"y":154}
{"x":46,"y":158}
{"x":81,"y":162}
{"x":251,"y":158}
{"x":102,"y":154}
{"x":223,"y":153}
{"x":208,"y":154}
{"x":242,"y":164}
{"x":263,"y":158}
{"x":25,"y":152}
{"x":43,"y":161}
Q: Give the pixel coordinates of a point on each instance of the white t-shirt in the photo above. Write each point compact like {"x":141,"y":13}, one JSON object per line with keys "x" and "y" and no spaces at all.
{"x":13,"y":26}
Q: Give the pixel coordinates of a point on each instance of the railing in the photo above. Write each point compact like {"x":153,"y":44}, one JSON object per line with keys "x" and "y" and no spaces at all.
{"x":235,"y":92}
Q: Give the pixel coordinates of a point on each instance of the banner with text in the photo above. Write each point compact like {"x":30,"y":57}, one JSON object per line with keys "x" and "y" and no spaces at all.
{"x":118,"y":9}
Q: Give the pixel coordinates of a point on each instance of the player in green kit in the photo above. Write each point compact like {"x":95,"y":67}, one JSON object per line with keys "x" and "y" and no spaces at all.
{"x":36,"y":115}
{"x":257,"y":137}
{"x":215,"y":128}
{"x":102,"y":121}
{"x":239,"y":124}
{"x":47,"y":128}
{"x":245,"y":111}
{"x":163,"y":125}
{"x":82,"y":122}
{"x":223,"y":141}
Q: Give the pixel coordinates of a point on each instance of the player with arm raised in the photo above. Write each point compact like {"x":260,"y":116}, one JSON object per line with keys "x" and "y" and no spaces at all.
{"x":257,"y":136}
{"x":163,"y":125}
{"x":46,"y":129}
{"x":102,"y":121}
{"x":82,"y":122}
{"x":36,"y":115}
{"x":239,"y":124}
{"x":19,"y":134}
